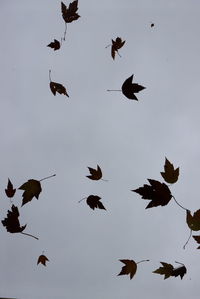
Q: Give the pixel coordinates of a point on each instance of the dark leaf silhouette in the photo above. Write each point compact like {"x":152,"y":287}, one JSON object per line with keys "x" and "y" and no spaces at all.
{"x":197,"y":238}
{"x":129,"y":89}
{"x":57,"y":87}
{"x":152,"y":25}
{"x":116,"y":45}
{"x":10,"y":192}
{"x":42,"y":260}
{"x":130,"y":268}
{"x":93,"y":202}
{"x":12,"y":222}
{"x":170,"y":175}
{"x":95,"y":174}
{"x":157,"y":192}
{"x":69,"y":14}
{"x":193,"y":221}
{"x":54,"y":45}
{"x":32,"y":188}
{"x":168,"y":270}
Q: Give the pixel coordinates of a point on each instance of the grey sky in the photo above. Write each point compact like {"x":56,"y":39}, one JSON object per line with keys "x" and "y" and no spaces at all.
{"x":42,"y":135}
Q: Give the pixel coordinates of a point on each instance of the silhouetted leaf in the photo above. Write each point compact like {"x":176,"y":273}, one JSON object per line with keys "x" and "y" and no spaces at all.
{"x":57,"y":87}
{"x":157,"y":192}
{"x":193,"y":221}
{"x":129,"y":89}
{"x":32,"y":188}
{"x":170,"y":175}
{"x":116,"y":45}
{"x":130,"y":268}
{"x":197,"y":238}
{"x":10,"y":192}
{"x":95,"y":174}
{"x":168,"y":270}
{"x":152,"y":25}
{"x":69,"y":14}
{"x":12,"y":222}
{"x":93,"y":202}
{"x":54,"y":45}
{"x":42,"y":260}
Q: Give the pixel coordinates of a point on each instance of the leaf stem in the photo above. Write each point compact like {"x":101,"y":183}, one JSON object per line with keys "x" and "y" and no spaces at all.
{"x":179,"y":263}
{"x":108,"y":46}
{"x":179,"y":204}
{"x":188,"y":239}
{"x":104,"y":180}
{"x":114,"y":90}
{"x":48,"y":177}
{"x":82,"y":199}
{"x":50,"y":75}
{"x":29,"y":235}
{"x":142,"y":261}
{"x":65,"y":31}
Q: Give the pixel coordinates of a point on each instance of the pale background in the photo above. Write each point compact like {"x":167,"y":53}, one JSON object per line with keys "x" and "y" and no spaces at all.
{"x":42,"y":135}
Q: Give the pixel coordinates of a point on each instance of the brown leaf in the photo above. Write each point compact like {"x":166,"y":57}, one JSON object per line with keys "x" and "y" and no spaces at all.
{"x":130,"y":268}
{"x":197,"y":238}
{"x":170,"y":175}
{"x":12,"y":222}
{"x":57,"y":87}
{"x":10,"y":192}
{"x":168,"y":270}
{"x":116,"y":45}
{"x":32,"y":188}
{"x":193,"y":221}
{"x":54,"y":45}
{"x":70,"y":14}
{"x":95,"y":174}
{"x":157,"y":192}
{"x":42,"y":260}
{"x":129,"y":89}
{"x":93,"y":202}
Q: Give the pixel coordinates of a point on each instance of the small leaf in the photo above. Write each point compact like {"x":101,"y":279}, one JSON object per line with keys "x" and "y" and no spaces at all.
{"x":157,"y":192}
{"x":57,"y":87}
{"x":197,"y":238}
{"x":10,"y":192}
{"x":42,"y":260}
{"x":130,"y":268}
{"x":93,"y":202}
{"x":116,"y":45}
{"x":168,"y":270}
{"x":32,"y":188}
{"x":54,"y":45}
{"x":152,"y":25}
{"x":12,"y":222}
{"x":95,"y":174}
{"x":170,"y":175}
{"x":129,"y":89}
{"x":193,"y":221}
{"x":70,"y":14}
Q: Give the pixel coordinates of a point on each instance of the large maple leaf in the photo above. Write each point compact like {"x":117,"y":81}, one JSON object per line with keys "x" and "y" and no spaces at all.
{"x":129,"y":89}
{"x":32,"y":188}
{"x":69,"y":13}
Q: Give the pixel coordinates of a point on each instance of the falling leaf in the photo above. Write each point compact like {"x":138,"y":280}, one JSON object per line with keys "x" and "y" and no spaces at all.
{"x":69,"y":14}
{"x":54,"y":45}
{"x":93,"y":202}
{"x":129,"y":268}
{"x":129,"y":89}
{"x":168,"y":270}
{"x":42,"y":260}
{"x":170,"y":175}
{"x":193,"y":221}
{"x":10,"y":192}
{"x":32,"y":188}
{"x":57,"y":87}
{"x":197,"y":238}
{"x":95,"y":174}
{"x":116,"y":45}
{"x":12,"y":222}
{"x":157,"y":192}
{"x":152,"y":25}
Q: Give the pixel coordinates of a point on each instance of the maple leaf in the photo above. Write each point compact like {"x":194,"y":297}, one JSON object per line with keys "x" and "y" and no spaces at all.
{"x":12,"y":222}
{"x":57,"y":87}
{"x":170,"y":175}
{"x":157,"y":192}
{"x":95,"y":174}
{"x":180,"y":271}
{"x":193,"y":221}
{"x":42,"y":259}
{"x":93,"y":202}
{"x":116,"y":45}
{"x":168,"y":270}
{"x":197,"y":238}
{"x":130,"y":268}
{"x":32,"y":188}
{"x":54,"y":45}
{"x":70,"y":14}
{"x":129,"y":89}
{"x":10,"y":192}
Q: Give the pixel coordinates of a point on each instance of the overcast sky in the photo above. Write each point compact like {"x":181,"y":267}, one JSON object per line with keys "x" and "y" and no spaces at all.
{"x":42,"y":134}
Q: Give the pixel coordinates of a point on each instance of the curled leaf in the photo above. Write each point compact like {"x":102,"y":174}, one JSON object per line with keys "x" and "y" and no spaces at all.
{"x":93,"y":202}
{"x":116,"y":45}
{"x":197,"y":239}
{"x":193,"y":221}
{"x":42,"y":259}
{"x":10,"y":191}
{"x":54,"y":45}
{"x":57,"y":87}
{"x":11,"y":222}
